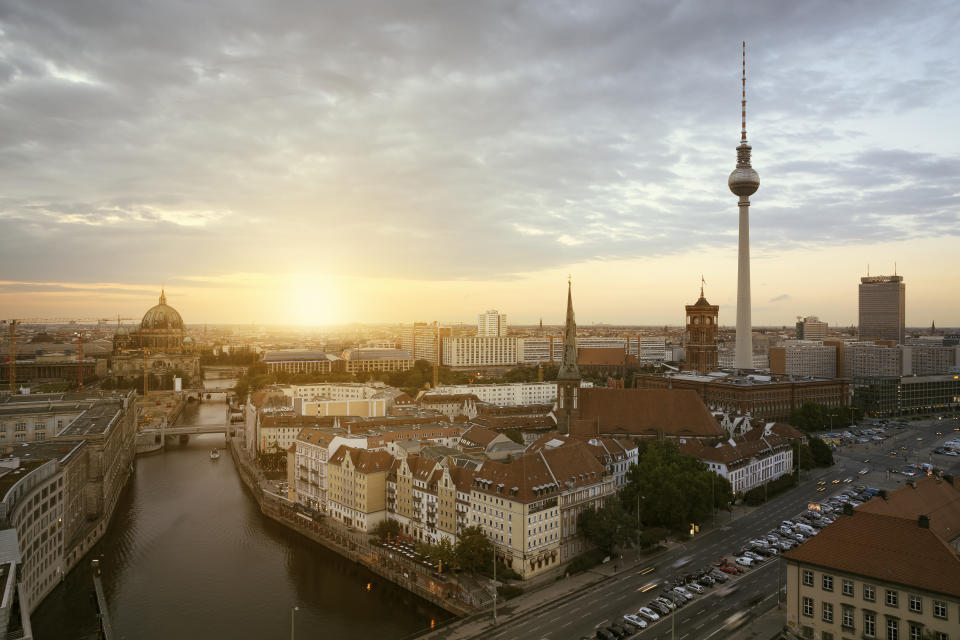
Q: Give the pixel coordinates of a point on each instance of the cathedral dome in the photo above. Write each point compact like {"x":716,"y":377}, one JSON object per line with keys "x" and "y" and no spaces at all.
{"x":162,"y":317}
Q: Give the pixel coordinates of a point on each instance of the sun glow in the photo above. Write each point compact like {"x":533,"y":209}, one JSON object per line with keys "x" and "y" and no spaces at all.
{"x":313,"y":300}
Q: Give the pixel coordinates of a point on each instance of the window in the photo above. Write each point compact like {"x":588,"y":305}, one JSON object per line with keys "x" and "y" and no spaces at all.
{"x":891,"y":598}
{"x":846,"y":619}
{"x":807,"y":578}
{"x":827,"y":583}
{"x":940,"y":609}
{"x":916,"y":631}
{"x":869,"y":592}
{"x":847,"y":587}
{"x":808,"y":606}
{"x":915,"y":604}
{"x":893,"y":629}
{"x":942,"y":636}
{"x":869,"y":624}
{"x":828,"y":612}
{"x":826,"y":635}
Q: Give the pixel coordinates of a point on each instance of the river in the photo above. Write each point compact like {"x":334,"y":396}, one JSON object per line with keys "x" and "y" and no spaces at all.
{"x":189,"y":555}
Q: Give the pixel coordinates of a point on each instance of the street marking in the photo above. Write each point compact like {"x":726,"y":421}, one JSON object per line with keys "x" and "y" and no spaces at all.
{"x":566,"y":625}
{"x":700,"y":626}
{"x":603,"y":622}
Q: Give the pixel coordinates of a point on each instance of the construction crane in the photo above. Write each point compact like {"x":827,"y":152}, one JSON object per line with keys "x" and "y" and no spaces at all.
{"x":12,"y":325}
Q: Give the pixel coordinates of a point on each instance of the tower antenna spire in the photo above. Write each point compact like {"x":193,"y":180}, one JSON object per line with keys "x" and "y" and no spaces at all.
{"x":743,"y":98}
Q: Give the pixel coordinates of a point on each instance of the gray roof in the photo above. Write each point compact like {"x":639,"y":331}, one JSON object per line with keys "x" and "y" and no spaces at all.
{"x":9,"y":549}
{"x":297,"y":355}
{"x":95,"y":420}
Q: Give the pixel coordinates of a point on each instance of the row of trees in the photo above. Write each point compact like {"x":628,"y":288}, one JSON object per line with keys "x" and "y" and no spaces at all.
{"x":812,"y":416}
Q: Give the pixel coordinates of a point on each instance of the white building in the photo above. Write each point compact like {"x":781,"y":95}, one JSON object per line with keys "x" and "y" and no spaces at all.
{"x":482,"y":351}
{"x":746,"y":463}
{"x":509,"y":394}
{"x":804,"y":358}
{"x":492,"y":323}
{"x":728,"y":360}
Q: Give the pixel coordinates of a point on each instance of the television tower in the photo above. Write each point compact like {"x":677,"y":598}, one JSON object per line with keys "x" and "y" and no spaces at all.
{"x":744,"y":182}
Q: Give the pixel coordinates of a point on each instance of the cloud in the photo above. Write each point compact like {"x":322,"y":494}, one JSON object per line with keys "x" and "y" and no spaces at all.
{"x":148,"y":142}
{"x":781,"y":298}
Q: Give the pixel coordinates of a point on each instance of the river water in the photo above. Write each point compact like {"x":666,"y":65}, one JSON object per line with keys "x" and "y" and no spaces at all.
{"x":189,"y":555}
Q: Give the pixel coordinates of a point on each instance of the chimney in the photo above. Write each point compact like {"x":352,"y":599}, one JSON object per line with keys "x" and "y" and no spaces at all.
{"x":847,"y":509}
{"x":924,"y":522}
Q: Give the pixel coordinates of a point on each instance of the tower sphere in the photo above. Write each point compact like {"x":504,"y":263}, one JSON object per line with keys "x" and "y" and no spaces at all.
{"x":743,"y":180}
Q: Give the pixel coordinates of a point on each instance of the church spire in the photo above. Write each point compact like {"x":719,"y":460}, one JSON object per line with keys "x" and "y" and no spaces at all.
{"x":163,"y":296}
{"x":568,"y":365}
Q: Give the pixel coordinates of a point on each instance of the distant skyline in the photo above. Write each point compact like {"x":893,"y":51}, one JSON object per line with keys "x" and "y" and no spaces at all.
{"x":385,"y":162}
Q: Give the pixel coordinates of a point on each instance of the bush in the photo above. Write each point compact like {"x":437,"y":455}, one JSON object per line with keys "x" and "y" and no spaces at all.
{"x":585,"y":561}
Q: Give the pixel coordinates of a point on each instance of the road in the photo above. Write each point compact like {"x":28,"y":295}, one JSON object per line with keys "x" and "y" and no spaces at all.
{"x":703,"y":618}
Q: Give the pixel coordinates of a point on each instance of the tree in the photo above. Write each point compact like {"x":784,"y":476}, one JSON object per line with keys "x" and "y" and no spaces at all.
{"x":675,"y":489}
{"x":474,"y":552}
{"x":822,"y":456}
{"x":387,"y":527}
{"x":805,"y":458}
{"x":443,"y":553}
{"x":609,"y":526}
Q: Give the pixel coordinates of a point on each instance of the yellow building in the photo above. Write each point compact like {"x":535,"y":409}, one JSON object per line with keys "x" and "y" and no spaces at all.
{"x":356,"y":486}
{"x":369,"y":359}
{"x":528,"y":507}
{"x":888,"y":569}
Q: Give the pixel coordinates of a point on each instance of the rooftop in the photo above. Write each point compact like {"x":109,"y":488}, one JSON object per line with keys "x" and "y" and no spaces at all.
{"x":94,"y":421}
{"x":376,"y":354}
{"x":297,"y":355}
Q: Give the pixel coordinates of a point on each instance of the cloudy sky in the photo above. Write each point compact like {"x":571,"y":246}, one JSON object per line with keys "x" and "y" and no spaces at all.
{"x":325,"y":162}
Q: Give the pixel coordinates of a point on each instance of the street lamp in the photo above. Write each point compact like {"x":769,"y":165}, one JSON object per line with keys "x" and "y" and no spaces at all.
{"x":293,"y":610}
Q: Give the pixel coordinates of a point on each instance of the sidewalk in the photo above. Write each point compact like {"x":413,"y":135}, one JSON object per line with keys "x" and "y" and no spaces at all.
{"x":765,"y":626}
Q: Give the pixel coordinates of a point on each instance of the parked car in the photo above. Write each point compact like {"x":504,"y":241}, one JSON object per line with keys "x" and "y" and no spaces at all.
{"x":746,"y":562}
{"x":659,"y":607}
{"x":719,"y":576}
{"x":649,"y":614}
{"x":603,"y":634}
{"x":787,"y":523}
{"x":682,"y":590}
{"x":769,"y":551}
{"x":667,"y":602}
{"x":696,"y":588}
{"x":620,"y":631}
{"x":635,"y":620}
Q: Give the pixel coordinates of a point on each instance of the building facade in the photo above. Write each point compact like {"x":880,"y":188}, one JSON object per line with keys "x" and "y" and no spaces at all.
{"x":420,"y":339}
{"x":356,"y":494}
{"x":302,"y":361}
{"x":492,"y":323}
{"x":482,"y":351}
{"x":882,"y":308}
{"x":805,"y":358}
{"x":367,"y":360}
{"x":700,"y":338}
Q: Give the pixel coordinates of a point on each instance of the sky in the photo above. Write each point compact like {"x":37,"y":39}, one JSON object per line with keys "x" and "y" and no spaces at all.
{"x":313,"y":162}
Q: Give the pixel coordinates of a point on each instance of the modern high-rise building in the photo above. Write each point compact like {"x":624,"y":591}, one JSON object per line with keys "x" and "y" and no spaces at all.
{"x":492,"y":323}
{"x":420,"y":339}
{"x":811,"y":328}
{"x":701,"y":335}
{"x":744,"y":182}
{"x":882,"y":308}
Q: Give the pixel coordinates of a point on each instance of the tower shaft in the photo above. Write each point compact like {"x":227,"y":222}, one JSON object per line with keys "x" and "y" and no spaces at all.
{"x":744,"y":343}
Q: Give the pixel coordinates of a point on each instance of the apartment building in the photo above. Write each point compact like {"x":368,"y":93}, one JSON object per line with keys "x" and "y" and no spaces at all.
{"x":528,"y":507}
{"x":804,"y":358}
{"x":356,"y":493}
{"x":492,"y":323}
{"x":420,"y":339}
{"x":507,"y":394}
{"x":887,"y":569}
{"x":481,"y":351}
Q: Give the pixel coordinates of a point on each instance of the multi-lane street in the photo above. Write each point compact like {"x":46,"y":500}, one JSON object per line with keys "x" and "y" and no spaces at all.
{"x":704,"y":617}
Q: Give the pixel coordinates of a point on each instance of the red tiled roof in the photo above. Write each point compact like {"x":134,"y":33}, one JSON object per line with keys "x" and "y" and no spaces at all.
{"x":535,"y":476}
{"x":885,"y":548}
{"x":937,"y":499}
{"x":644,"y":412}
{"x":478,"y":436}
{"x":363,"y":461}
